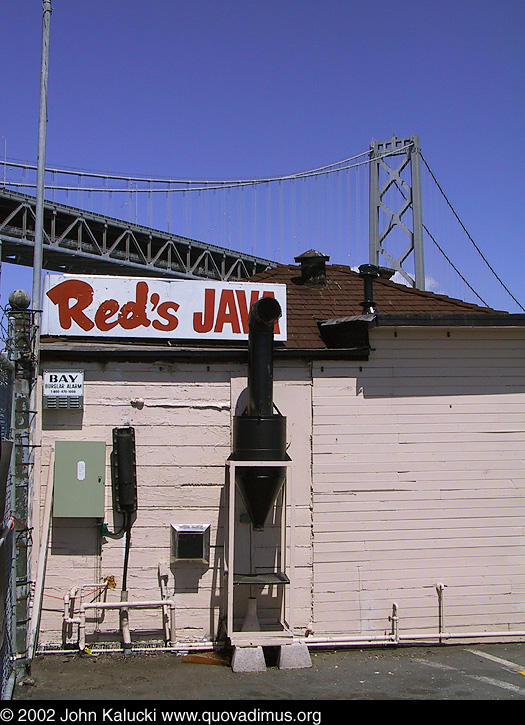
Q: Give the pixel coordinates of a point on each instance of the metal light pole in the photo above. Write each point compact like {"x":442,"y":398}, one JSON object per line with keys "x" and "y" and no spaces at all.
{"x":41,"y":164}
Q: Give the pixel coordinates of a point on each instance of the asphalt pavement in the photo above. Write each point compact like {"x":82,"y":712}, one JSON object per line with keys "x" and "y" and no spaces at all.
{"x":449,"y":672}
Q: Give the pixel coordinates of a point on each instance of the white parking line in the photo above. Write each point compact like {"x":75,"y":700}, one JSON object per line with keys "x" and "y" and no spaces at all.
{"x":499,"y":683}
{"x":480,"y":678}
{"x":437,"y":665}
{"x":499,"y":660}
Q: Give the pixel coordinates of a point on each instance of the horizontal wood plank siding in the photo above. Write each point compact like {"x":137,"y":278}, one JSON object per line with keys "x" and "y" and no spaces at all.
{"x":419,"y":479}
{"x":182,"y":416}
{"x":182,"y":420}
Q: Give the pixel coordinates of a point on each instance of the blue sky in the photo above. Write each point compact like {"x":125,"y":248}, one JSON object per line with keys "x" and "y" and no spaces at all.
{"x":256,"y":88}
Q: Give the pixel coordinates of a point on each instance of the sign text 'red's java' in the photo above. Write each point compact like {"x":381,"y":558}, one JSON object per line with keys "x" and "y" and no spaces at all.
{"x":131,"y":307}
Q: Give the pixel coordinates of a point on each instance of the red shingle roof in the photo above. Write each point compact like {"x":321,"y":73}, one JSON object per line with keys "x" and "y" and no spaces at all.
{"x":342,"y":296}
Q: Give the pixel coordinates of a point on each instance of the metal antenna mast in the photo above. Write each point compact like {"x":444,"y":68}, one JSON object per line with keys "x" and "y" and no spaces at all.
{"x":395,"y":207}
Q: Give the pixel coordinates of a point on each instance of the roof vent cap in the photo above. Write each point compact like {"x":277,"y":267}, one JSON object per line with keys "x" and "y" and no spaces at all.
{"x":386,"y":272}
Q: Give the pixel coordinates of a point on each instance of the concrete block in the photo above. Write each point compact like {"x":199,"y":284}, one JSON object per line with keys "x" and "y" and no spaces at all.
{"x":294,"y":656}
{"x":248,"y":659}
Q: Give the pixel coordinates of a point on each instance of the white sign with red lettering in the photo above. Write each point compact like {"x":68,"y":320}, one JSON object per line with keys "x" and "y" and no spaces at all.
{"x":180,"y":309}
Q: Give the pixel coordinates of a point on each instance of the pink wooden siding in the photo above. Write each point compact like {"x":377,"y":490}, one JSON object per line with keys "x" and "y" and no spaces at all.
{"x":408,"y":472}
{"x":183,"y":431}
{"x":419,"y":479}
{"x":182,"y":441}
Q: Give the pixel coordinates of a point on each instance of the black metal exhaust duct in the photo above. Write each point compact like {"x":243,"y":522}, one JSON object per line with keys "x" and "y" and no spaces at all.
{"x":260,"y":434}
{"x":369,"y":272}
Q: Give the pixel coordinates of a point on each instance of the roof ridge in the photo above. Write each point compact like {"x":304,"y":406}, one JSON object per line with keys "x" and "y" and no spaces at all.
{"x":440,"y":295}
{"x":398,"y":286}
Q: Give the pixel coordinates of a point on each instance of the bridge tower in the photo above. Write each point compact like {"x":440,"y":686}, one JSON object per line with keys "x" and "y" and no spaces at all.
{"x":396,"y":222}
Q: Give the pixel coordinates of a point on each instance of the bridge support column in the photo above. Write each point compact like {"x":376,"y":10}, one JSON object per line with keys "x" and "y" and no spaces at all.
{"x":395,"y":211}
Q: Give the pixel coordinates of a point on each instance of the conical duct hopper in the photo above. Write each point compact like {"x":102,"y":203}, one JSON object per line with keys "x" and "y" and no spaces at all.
{"x":259,"y":439}
{"x":259,"y":434}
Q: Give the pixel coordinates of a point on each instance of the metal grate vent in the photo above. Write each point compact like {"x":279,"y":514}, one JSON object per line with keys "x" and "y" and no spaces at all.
{"x":61,"y":402}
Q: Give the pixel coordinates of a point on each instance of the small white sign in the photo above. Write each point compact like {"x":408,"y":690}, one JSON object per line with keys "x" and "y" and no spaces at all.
{"x":63,"y":384}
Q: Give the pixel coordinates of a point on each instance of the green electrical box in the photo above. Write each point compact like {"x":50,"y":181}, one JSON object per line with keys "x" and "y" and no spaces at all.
{"x":79,"y":479}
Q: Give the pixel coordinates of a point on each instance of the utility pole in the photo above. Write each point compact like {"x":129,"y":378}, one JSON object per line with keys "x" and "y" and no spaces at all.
{"x":41,"y":166}
{"x":24,"y":342}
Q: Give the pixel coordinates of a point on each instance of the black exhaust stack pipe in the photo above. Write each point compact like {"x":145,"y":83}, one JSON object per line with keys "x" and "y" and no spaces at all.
{"x":260,"y":434}
{"x":369,"y":272}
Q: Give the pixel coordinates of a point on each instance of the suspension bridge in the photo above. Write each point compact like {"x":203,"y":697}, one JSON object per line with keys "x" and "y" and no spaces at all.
{"x":383,"y":205}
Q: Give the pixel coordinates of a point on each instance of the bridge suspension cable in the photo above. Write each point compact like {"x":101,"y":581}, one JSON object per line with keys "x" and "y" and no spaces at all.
{"x":180,"y":185}
{"x":476,"y":247}
{"x":456,"y":270}
{"x":278,"y":217}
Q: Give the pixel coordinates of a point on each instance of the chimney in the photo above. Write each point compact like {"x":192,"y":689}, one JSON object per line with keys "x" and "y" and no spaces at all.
{"x":313,"y":268}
